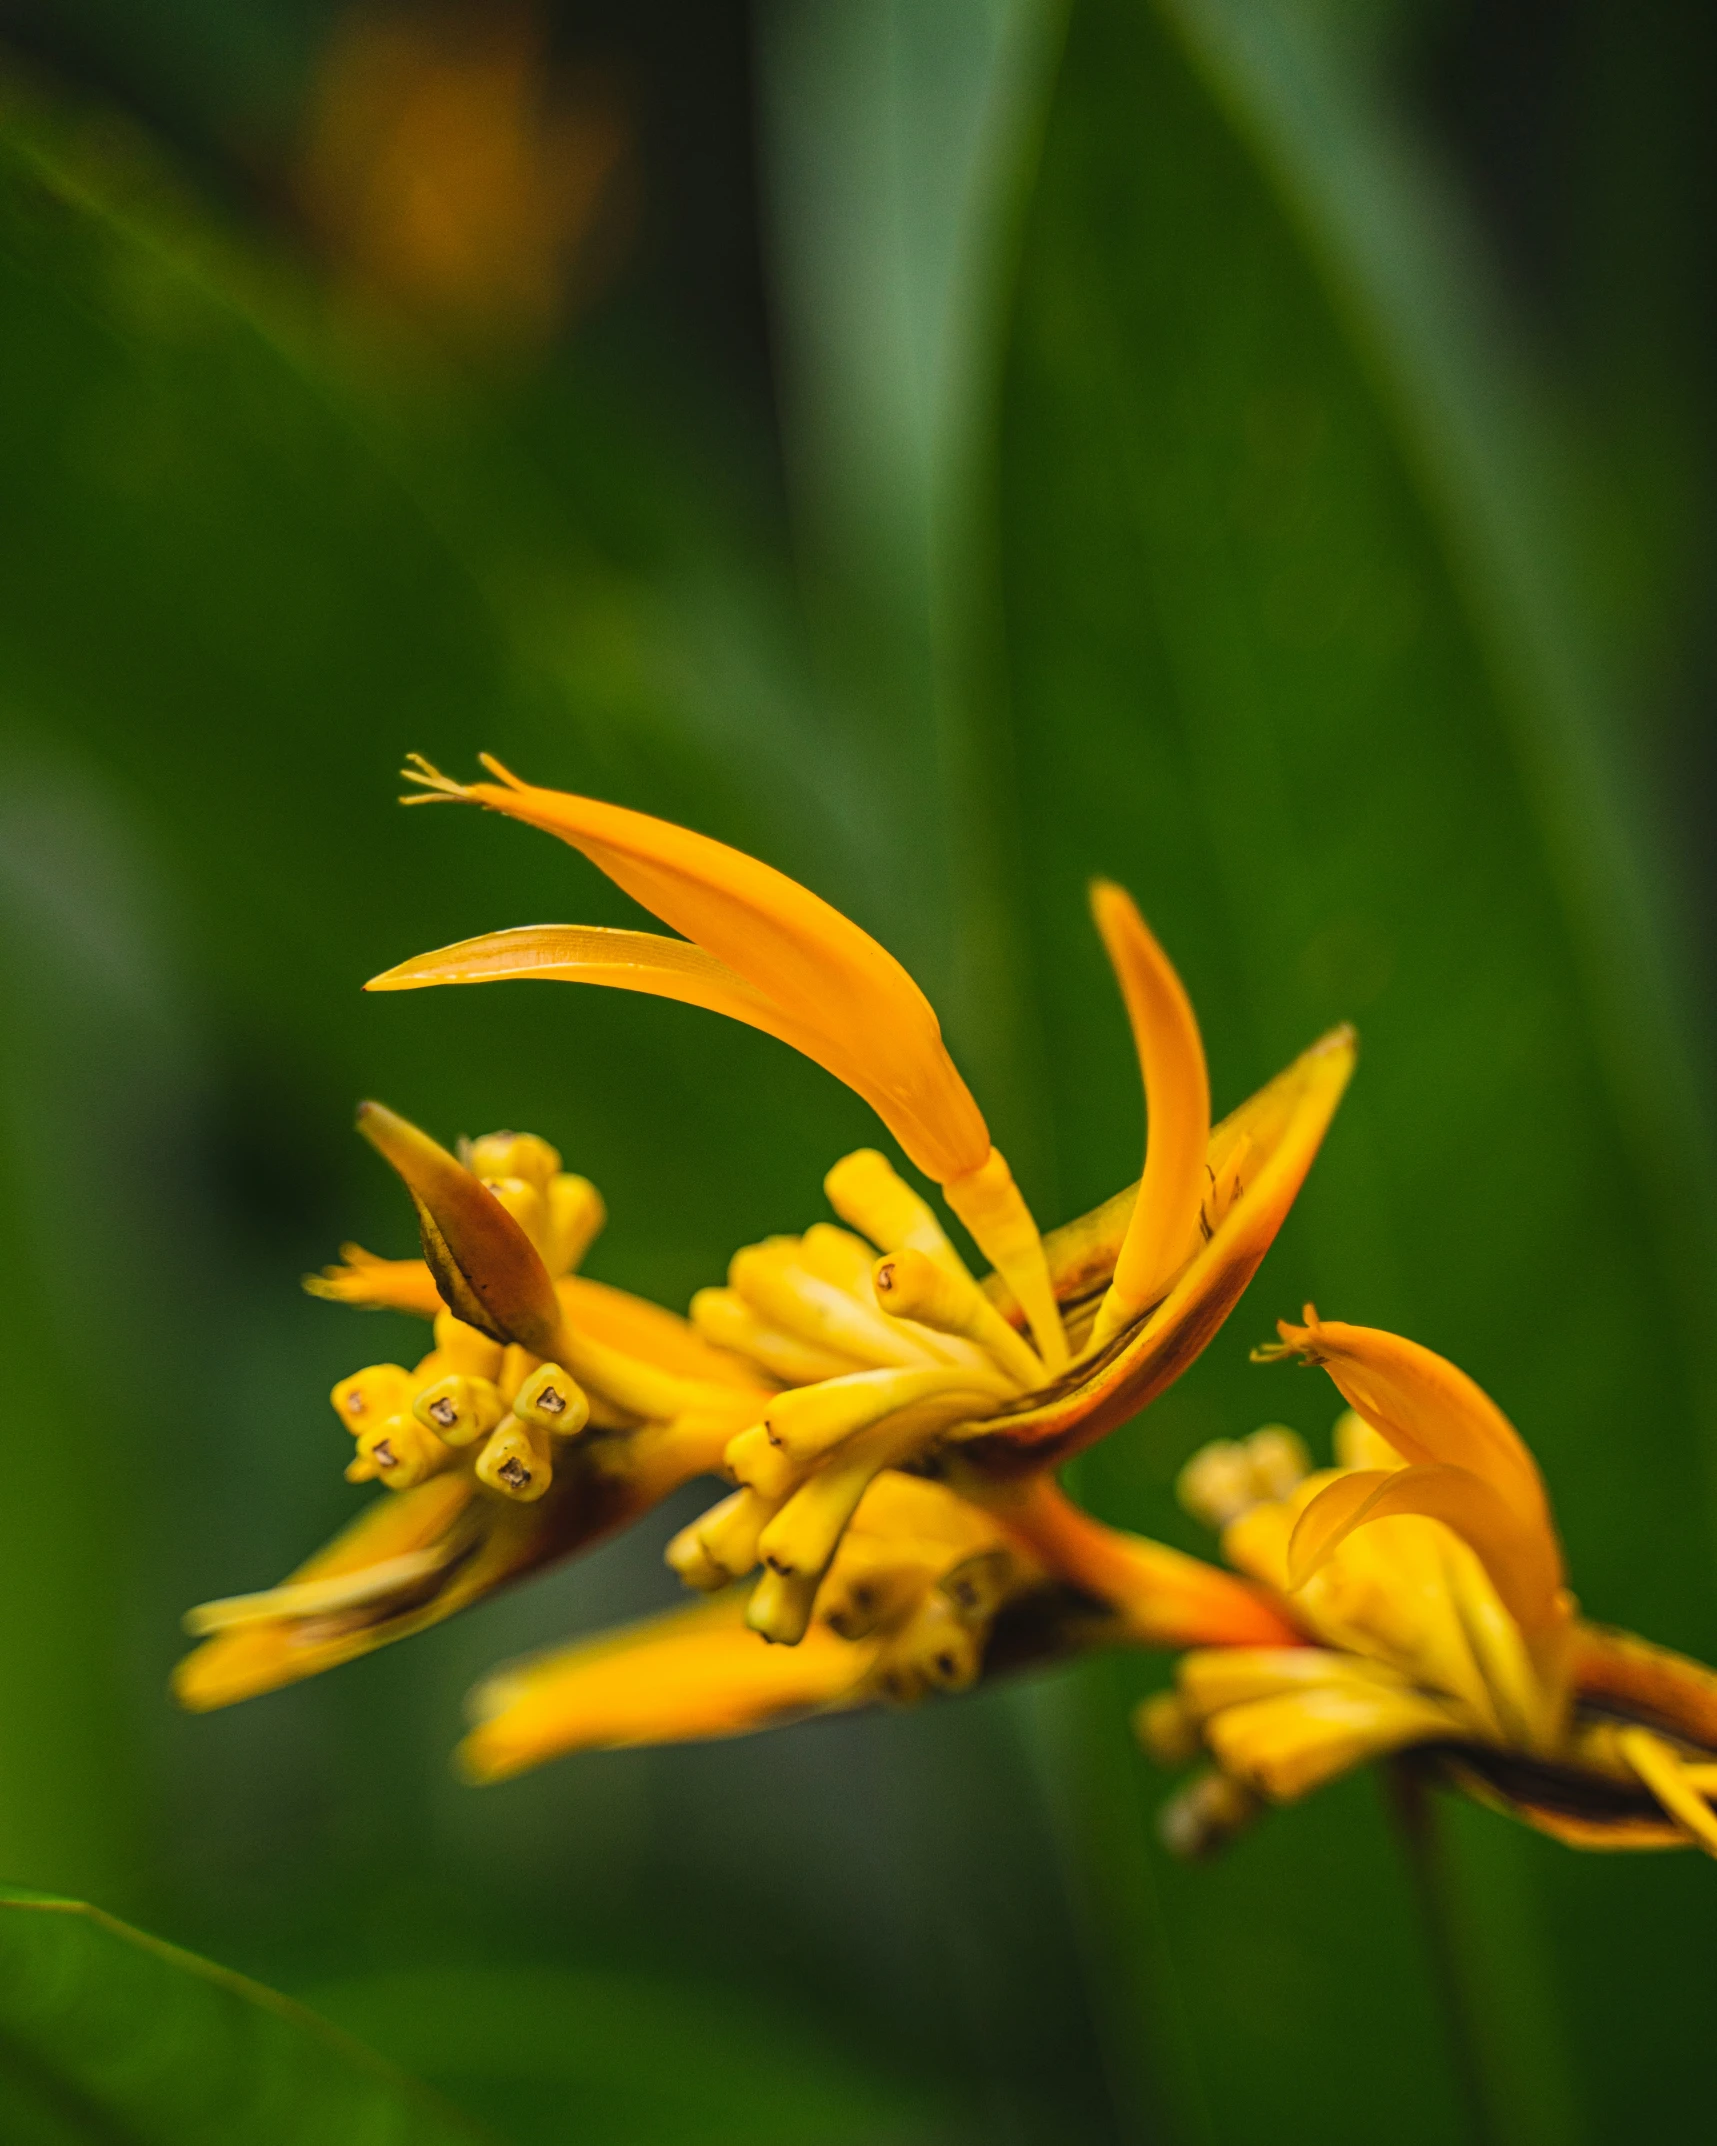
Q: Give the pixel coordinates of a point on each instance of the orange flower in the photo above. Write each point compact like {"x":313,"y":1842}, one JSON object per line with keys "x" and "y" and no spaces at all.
{"x":1426,"y":1570}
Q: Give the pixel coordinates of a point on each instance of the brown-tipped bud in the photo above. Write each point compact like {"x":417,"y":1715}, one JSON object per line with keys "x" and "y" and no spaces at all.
{"x":978,"y":1586}
{"x":399,"y":1452}
{"x":550,"y":1401}
{"x":514,"y":1463}
{"x":865,"y":1190}
{"x":576,"y":1215}
{"x":729,"y":1531}
{"x":1167,"y":1729}
{"x":759,"y":1461}
{"x":1206,"y":1815}
{"x":780,"y":1606}
{"x":864,"y":1593}
{"x":369,"y":1397}
{"x":485,"y":1266}
{"x":458,"y":1409}
{"x":836,"y":1255}
{"x":464,"y":1348}
{"x":911,"y":1286}
{"x":520,"y":1155}
{"x":934,"y":1651}
{"x":687,"y":1557}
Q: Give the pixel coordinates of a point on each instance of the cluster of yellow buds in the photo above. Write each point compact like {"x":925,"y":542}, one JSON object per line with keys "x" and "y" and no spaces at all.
{"x":888,"y":1423}
{"x":471,"y":1389}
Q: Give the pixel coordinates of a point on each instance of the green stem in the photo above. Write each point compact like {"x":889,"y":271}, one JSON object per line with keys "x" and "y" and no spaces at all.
{"x":1414,"y":1811}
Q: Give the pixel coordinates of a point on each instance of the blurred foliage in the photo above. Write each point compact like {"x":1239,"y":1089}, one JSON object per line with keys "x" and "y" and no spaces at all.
{"x":111,"y":2036}
{"x":1153,"y":486}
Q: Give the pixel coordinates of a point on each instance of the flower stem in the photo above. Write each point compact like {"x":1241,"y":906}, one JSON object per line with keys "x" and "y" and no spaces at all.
{"x":1414,"y":1811}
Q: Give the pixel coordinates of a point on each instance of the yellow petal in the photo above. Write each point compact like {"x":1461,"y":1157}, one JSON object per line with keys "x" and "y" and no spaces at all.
{"x":378,"y":1284}
{"x":819,"y":975}
{"x":1522,"y":1560}
{"x":488,"y":1271}
{"x":1177,"y":1108}
{"x":691,"y":1675}
{"x":1283,"y":1124}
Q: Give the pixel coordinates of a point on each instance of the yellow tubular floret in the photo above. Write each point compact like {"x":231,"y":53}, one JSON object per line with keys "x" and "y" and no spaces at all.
{"x":865,"y":1189}
{"x":993,"y":1208}
{"x":723,"y":1317}
{"x":912,"y":1286}
{"x":1162,"y":1234}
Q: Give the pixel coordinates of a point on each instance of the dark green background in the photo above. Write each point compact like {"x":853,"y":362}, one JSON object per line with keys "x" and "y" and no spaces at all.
{"x":1101,"y":441}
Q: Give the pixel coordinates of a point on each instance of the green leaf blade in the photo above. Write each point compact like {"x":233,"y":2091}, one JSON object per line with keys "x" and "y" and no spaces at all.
{"x":109,"y":2035}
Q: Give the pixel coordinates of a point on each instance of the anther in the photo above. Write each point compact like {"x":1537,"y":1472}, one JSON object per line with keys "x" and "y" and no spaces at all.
{"x":369,"y":1395}
{"x":552,"y":1401}
{"x":459,"y":1408}
{"x":513,"y":1465}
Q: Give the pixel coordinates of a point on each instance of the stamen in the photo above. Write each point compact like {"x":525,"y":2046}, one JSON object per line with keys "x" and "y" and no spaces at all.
{"x":401,"y":1452}
{"x":371,"y":1395}
{"x":552,"y":1402}
{"x":318,"y":1598}
{"x":459,"y":1409}
{"x":513,"y":1464}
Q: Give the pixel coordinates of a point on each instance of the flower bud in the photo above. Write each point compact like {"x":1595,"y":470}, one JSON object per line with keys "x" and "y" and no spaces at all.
{"x":461,"y":1410}
{"x":514,"y":1464}
{"x":550,"y":1401}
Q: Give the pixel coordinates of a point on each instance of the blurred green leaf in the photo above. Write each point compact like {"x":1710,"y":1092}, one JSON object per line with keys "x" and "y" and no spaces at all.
{"x":1291,"y":649}
{"x":628,"y":2056}
{"x":112,"y":2037}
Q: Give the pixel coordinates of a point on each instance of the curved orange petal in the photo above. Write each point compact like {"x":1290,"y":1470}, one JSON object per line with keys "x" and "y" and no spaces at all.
{"x":819,"y":972}
{"x":1523,"y":1561}
{"x":688,"y":1676}
{"x":1426,"y":1407}
{"x":1283,"y":1124}
{"x":1177,"y":1110}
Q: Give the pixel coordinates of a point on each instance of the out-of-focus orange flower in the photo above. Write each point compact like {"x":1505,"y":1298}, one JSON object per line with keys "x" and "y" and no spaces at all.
{"x":457,"y":181}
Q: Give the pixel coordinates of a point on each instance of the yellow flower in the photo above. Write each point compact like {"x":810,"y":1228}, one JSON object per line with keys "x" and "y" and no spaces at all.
{"x":551,"y":1410}
{"x":1426,"y":1572}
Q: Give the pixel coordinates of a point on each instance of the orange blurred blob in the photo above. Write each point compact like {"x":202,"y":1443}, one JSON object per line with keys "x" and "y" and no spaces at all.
{"x":456,"y":181}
